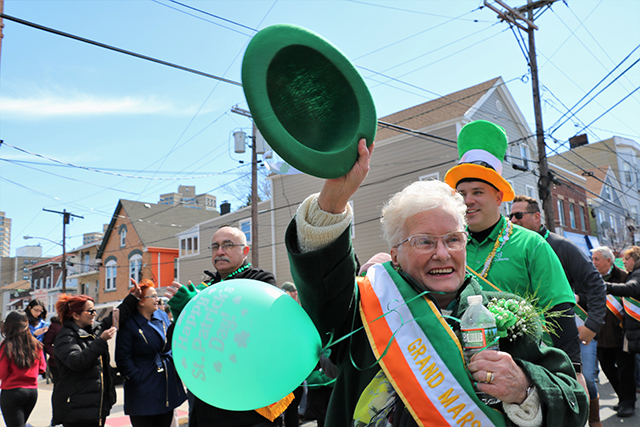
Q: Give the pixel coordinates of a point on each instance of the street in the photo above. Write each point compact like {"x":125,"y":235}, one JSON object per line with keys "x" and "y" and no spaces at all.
{"x":41,"y":415}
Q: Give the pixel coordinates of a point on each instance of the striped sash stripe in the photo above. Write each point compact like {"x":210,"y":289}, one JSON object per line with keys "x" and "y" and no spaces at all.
{"x":632,"y":307}
{"x":614,"y":304}
{"x":427,"y":372}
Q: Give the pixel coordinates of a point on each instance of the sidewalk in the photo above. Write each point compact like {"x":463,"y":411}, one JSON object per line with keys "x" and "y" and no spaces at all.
{"x":41,"y":415}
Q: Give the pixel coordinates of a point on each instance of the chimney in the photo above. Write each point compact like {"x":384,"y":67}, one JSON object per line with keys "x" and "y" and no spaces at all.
{"x":225,"y":207}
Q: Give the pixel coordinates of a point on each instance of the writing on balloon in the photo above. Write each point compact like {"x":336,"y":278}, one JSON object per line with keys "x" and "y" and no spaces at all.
{"x":206,"y":327}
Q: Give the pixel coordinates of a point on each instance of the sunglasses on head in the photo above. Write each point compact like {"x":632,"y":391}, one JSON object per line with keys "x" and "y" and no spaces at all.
{"x":519,"y":215}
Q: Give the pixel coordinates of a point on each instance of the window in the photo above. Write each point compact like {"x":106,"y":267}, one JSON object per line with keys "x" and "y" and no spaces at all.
{"x":582,"y":221}
{"x":530,"y":191}
{"x":524,"y":154}
{"x":561,"y":213}
{"x":607,"y":192}
{"x":135,"y":267}
{"x":600,"y":218}
{"x":48,"y":282}
{"x":123,"y":236}
{"x":110,"y":275}
{"x":189,"y":246}
{"x":612,"y":222}
{"x":572,"y":215}
{"x":245,"y":227}
{"x":85,"y":262}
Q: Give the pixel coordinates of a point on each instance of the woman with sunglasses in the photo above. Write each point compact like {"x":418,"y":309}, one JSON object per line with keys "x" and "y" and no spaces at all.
{"x":152,"y":389}
{"x":37,"y":314}
{"x":85,"y":392}
{"x":21,"y":361}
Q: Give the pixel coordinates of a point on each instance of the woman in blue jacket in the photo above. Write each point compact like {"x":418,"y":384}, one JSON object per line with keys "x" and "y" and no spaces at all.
{"x":152,"y":390}
{"x":36,"y":313}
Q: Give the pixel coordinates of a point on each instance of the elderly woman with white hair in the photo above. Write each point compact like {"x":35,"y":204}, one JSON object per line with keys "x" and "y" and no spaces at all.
{"x":401,"y":363}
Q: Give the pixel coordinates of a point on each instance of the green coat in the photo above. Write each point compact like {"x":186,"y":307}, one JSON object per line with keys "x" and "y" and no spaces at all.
{"x":326,"y":285}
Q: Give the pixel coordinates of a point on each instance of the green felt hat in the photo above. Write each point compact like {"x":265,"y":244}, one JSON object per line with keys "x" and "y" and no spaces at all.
{"x":481,"y":148}
{"x":307,"y":100}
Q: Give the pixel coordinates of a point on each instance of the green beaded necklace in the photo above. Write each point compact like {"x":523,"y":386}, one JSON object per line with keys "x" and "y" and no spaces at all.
{"x":238,"y":271}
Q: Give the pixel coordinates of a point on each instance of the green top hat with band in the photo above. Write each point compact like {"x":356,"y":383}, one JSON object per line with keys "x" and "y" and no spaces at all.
{"x":481,"y":147}
{"x":307,"y":99}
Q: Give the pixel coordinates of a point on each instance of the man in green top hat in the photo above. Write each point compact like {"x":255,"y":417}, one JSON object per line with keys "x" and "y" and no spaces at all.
{"x":503,"y":255}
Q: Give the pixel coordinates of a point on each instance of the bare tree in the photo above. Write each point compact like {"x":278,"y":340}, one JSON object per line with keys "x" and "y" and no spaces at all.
{"x":241,"y":188}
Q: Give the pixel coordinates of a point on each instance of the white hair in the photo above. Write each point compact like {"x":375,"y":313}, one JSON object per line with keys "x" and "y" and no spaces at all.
{"x":605,"y":252}
{"x":417,"y":197}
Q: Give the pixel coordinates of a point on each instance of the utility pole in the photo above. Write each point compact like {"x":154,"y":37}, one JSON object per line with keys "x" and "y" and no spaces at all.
{"x":254,"y":196}
{"x":66,"y":218}
{"x":254,"y":186}
{"x":513,"y":15}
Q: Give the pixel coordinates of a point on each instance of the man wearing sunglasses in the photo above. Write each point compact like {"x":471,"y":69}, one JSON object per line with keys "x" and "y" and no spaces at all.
{"x":586,"y":282}
{"x":504,"y":256}
{"x":229,"y":253}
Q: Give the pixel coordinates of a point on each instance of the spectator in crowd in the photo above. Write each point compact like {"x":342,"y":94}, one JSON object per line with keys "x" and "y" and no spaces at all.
{"x":630,"y":291}
{"x":21,"y":361}
{"x":85,"y":391}
{"x":616,"y":363}
{"x":424,"y":225}
{"x":152,"y":389}
{"x":37,"y":315}
{"x":49,"y":338}
{"x":502,"y":256}
{"x":586,"y":282}
{"x":291,"y":415}
{"x":229,"y":253}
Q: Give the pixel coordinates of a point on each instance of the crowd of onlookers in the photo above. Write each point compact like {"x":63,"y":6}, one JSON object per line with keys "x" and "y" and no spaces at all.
{"x":78,"y":357}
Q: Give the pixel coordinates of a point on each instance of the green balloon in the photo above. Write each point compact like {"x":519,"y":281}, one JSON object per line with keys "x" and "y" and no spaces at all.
{"x":244,"y":344}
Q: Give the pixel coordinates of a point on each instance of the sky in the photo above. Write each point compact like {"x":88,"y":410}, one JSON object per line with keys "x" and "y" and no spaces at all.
{"x":84,"y":126}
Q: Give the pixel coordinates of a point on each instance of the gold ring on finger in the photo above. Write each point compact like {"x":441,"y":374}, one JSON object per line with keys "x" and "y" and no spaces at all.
{"x":489,"y":378}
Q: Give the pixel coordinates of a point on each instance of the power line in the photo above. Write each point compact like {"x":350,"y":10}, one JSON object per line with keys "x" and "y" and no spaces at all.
{"x":573,"y":113}
{"x":113,"y":173}
{"x":212,"y":15}
{"x":116,"y":49}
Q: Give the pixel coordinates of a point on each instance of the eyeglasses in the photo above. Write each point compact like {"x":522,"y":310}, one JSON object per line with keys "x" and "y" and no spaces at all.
{"x":519,"y":215}
{"x":91,"y":311}
{"x":454,"y":241}
{"x":152,"y":296}
{"x":227,"y":246}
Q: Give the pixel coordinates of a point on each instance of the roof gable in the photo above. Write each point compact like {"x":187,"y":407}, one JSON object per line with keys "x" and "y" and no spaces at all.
{"x":156,"y":225}
{"x":443,"y":109}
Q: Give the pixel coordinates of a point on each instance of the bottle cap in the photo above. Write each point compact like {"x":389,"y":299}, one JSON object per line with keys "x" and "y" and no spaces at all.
{"x":474,"y":299}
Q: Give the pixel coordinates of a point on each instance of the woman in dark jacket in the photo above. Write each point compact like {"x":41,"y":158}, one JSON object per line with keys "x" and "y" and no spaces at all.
{"x":152,"y":389}
{"x":49,"y":338}
{"x":631,"y":327}
{"x":630,"y":289}
{"x":84,"y":393}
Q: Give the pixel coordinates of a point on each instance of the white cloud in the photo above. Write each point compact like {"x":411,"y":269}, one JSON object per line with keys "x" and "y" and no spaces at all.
{"x":52,"y":105}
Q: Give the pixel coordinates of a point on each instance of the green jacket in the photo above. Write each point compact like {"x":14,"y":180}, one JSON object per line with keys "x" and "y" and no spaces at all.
{"x":527,"y":266}
{"x":326,"y":285}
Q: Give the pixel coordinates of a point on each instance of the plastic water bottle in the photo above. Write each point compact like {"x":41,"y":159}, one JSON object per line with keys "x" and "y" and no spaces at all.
{"x":479,"y":332}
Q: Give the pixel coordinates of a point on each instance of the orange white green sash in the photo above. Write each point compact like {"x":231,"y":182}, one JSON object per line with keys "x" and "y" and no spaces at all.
{"x":581,"y":315}
{"x":614,"y":304}
{"x":427,"y":372}
{"x":631,"y":307}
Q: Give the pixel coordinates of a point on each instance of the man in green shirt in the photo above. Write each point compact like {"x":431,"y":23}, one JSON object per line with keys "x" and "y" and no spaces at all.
{"x":508,"y":257}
